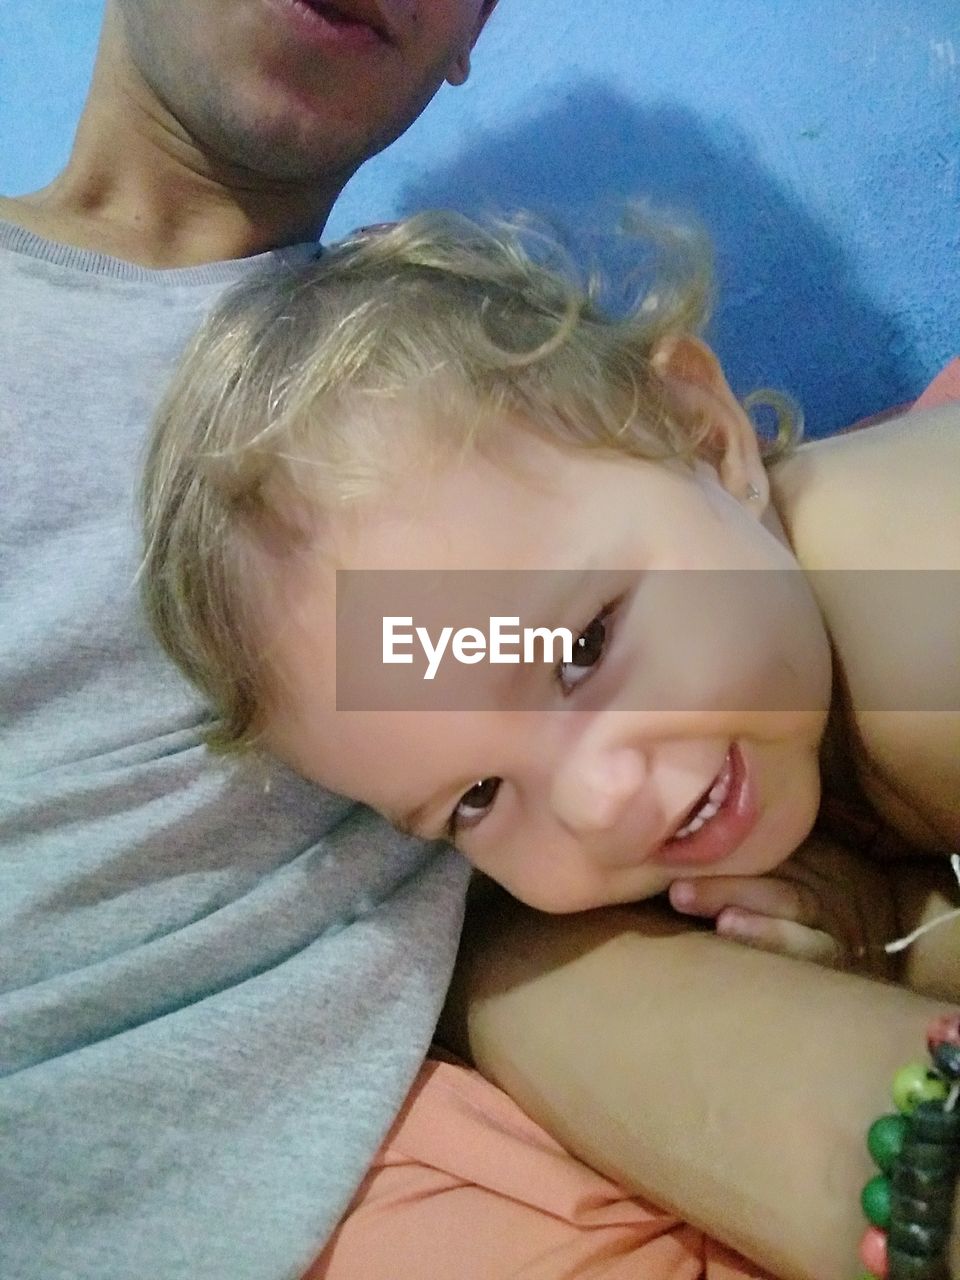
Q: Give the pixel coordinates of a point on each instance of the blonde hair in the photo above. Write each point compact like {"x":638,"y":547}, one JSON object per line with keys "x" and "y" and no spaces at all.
{"x":257,"y":417}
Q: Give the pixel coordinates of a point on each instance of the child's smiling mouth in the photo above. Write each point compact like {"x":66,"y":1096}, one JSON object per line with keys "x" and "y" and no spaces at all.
{"x":723,"y":817}
{"x":710,"y":803}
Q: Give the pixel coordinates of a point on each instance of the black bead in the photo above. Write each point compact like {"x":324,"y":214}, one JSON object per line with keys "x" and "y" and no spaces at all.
{"x":923,"y":1184}
{"x":946,"y":1057}
{"x":923,"y":1239}
{"x":929,"y":1155}
{"x":930,"y":1123}
{"x":907,"y":1266}
{"x":937,"y":1210}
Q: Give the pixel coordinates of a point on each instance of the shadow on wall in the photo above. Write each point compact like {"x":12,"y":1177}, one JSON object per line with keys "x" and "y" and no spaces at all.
{"x":791,"y":311}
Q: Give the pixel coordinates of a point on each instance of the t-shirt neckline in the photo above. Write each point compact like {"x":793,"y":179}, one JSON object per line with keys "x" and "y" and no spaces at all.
{"x":18,"y":239}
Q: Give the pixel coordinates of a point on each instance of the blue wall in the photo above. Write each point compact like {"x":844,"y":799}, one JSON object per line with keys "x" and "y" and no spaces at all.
{"x":819,"y":141}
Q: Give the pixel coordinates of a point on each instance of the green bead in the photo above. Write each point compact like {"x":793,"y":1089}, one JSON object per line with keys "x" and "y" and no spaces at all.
{"x":885,"y":1138}
{"x":875,"y":1201}
{"x":916,"y":1083}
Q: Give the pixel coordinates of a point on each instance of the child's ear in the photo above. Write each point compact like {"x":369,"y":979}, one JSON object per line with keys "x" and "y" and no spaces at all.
{"x":695,"y":382}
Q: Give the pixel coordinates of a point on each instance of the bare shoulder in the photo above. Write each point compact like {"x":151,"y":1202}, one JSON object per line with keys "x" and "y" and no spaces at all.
{"x":887,"y":497}
{"x":19,"y":209}
{"x":874,"y":517}
{"x":44,"y":216}
{"x":28,"y":212}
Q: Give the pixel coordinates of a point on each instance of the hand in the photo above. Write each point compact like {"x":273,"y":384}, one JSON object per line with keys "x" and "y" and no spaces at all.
{"x":770,"y":912}
{"x":826,"y":904}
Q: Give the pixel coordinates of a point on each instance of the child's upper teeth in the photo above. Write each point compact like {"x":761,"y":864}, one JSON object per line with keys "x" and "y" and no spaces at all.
{"x":721,"y":788}
{"x":711,"y":805}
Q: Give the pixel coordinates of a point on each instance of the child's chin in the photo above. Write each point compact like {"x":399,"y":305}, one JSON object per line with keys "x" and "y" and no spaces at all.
{"x":774,"y":844}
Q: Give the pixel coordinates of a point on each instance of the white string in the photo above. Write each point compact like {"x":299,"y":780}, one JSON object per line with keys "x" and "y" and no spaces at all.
{"x":901,"y":944}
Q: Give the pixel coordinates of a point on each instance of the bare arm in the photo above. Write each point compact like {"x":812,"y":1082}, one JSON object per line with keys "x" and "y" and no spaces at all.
{"x":730,"y":1085}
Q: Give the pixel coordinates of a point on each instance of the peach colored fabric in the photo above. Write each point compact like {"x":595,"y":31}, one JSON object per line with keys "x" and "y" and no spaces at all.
{"x":467,"y":1187}
{"x":944,"y":388}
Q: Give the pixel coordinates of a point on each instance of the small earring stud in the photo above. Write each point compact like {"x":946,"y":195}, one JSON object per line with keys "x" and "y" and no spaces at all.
{"x":752,"y":494}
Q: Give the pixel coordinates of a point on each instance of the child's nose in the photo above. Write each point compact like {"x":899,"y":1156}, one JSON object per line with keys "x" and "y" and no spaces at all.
{"x":595,"y":786}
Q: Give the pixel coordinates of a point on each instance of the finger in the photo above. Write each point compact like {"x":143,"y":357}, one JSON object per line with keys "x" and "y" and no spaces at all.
{"x":785,"y":937}
{"x":764,"y":895}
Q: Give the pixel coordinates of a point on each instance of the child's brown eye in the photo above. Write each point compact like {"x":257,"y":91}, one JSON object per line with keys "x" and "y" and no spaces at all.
{"x":475,"y":803}
{"x":589,"y":645}
{"x":588,"y":649}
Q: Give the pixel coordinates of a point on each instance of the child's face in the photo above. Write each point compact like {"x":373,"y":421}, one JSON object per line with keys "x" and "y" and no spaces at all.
{"x":574,"y":785}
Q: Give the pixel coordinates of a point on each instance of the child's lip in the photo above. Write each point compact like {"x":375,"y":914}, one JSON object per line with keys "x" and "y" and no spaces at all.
{"x":722,"y":833}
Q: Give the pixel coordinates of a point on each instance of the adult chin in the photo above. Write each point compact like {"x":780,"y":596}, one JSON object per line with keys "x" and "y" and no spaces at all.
{"x":252,"y":107}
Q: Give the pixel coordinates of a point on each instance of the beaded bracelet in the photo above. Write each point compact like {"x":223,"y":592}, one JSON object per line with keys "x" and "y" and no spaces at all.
{"x":917,"y":1149}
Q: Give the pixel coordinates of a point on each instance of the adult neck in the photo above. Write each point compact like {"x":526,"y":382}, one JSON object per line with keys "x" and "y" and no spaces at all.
{"x":138,"y":187}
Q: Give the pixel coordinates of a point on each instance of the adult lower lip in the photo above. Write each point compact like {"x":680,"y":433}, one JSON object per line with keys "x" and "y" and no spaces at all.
{"x":725,"y":831}
{"x":325,"y":28}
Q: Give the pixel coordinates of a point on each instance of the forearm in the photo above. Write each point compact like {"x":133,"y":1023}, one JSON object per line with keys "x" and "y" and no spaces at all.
{"x":730,"y":1085}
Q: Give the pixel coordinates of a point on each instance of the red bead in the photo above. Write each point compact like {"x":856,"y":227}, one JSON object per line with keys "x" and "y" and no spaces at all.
{"x":943,"y":1030}
{"x":873,"y":1251}
{"x":943,"y":1041}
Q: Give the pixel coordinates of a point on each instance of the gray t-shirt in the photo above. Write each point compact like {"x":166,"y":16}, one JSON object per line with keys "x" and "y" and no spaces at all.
{"x":216,"y":980}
